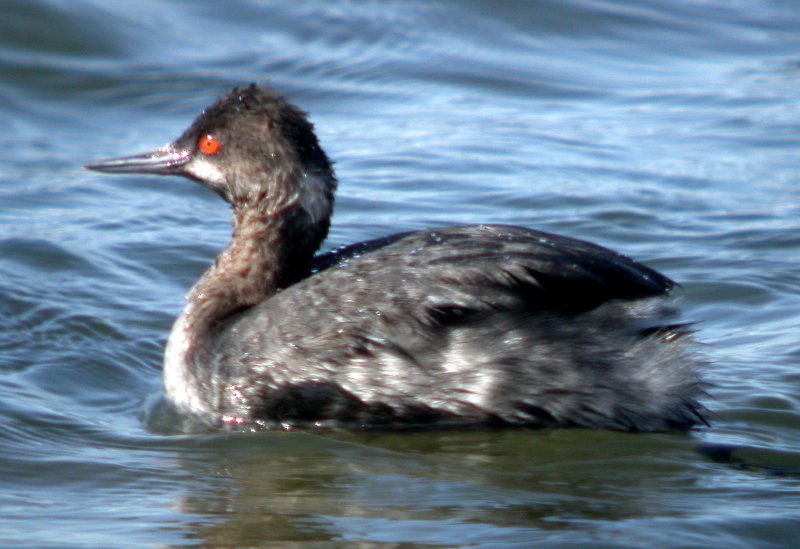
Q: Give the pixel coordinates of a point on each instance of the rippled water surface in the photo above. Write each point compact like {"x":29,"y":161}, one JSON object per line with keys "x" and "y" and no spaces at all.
{"x":668,"y":130}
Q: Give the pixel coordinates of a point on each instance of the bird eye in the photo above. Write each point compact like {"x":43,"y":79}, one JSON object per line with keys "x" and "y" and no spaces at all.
{"x":208,"y":144}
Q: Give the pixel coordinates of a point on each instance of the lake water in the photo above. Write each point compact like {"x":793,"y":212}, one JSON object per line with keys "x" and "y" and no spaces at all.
{"x":668,"y":130}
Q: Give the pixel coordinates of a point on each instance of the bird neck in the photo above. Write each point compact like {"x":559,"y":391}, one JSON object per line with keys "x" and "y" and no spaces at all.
{"x":249,"y":271}
{"x":269,"y":250}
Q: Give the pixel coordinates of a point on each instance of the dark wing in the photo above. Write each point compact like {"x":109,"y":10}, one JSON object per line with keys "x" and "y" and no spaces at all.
{"x":500,"y":264}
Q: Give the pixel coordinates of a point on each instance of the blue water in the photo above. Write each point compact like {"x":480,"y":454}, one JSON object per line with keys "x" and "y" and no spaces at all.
{"x":668,"y":130}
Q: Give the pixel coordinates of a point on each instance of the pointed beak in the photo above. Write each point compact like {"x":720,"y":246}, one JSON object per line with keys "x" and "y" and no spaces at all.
{"x":165,"y":161}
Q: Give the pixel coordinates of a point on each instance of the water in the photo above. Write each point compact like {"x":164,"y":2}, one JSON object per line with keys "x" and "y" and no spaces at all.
{"x":666,"y":130}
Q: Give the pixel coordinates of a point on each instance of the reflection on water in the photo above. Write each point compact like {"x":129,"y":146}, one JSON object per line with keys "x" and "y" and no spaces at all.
{"x":303,"y":487}
{"x":447,"y":487}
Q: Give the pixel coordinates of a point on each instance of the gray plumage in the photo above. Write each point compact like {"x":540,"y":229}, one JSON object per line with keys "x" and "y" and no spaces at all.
{"x":480,"y":325}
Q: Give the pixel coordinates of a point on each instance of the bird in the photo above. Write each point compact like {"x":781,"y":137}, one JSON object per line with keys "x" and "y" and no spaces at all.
{"x":473,"y":326}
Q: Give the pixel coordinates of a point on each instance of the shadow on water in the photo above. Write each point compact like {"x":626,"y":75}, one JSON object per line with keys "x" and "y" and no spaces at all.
{"x":753,"y":458}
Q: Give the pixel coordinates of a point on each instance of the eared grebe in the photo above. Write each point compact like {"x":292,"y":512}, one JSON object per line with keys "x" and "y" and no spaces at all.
{"x":476,"y":325}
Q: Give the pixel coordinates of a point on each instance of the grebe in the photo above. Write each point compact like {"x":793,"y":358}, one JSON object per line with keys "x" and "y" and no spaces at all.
{"x":482,"y":325}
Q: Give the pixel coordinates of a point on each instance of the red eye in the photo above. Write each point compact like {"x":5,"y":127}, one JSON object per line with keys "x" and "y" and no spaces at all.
{"x":208,"y":144}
